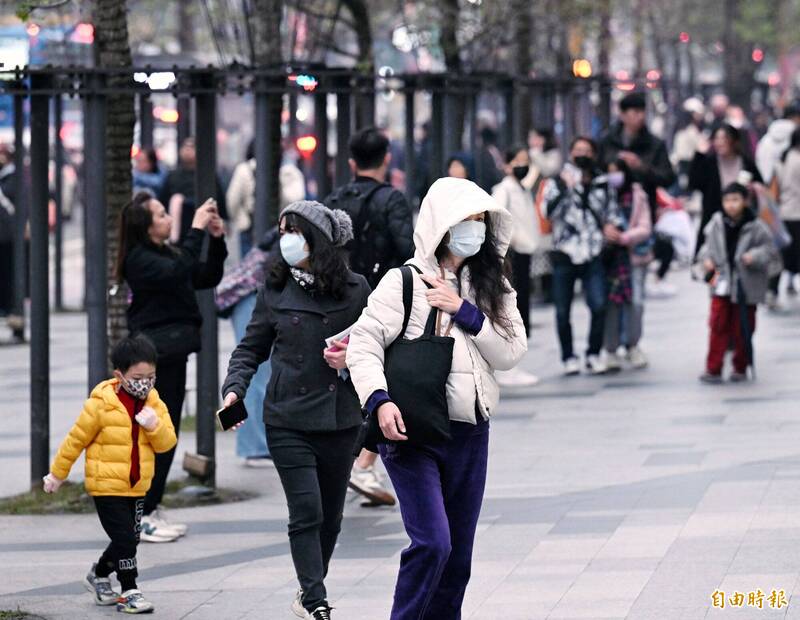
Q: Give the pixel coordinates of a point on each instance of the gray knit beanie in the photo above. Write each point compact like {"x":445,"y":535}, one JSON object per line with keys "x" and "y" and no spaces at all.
{"x":334,"y":224}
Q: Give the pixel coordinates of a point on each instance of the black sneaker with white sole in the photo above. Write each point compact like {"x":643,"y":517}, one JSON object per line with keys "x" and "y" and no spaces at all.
{"x":323,"y":612}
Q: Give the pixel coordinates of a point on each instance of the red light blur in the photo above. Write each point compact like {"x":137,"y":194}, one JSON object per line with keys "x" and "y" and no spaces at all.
{"x":685,"y":37}
{"x":758,"y":55}
{"x":306,"y":145}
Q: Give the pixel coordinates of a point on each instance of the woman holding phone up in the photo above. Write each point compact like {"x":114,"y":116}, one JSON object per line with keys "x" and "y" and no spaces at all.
{"x":163,"y":279}
{"x":311,"y":412}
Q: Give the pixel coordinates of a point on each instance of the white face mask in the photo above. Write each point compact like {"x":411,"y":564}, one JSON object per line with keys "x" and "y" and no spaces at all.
{"x":293,"y":248}
{"x":616,"y":179}
{"x":466,"y":238}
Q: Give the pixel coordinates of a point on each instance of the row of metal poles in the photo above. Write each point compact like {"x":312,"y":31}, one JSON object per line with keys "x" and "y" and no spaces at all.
{"x":203,"y":88}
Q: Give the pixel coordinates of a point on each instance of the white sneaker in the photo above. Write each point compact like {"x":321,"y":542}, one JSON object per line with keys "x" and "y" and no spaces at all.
{"x":660,"y":289}
{"x":160,"y":515}
{"x":572,"y":367}
{"x":297,"y":605}
{"x":154,"y":531}
{"x":637,"y":358}
{"x":133,"y":602}
{"x":613,"y":362}
{"x":595,"y":365}
{"x":259,"y":462}
{"x":367,"y":481}
{"x":516,"y":377}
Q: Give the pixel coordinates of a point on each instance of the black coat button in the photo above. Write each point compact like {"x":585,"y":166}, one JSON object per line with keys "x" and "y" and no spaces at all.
{"x":325,"y":320}
{"x":300,"y":359}
{"x":303,"y":391}
{"x":331,"y":388}
{"x":295,"y":320}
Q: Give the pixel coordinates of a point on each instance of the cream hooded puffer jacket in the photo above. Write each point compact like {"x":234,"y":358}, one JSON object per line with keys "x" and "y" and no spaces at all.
{"x":448,"y":202}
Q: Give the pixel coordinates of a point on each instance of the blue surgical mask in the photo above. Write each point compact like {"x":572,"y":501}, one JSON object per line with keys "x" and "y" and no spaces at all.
{"x":293,"y":248}
{"x":466,"y":238}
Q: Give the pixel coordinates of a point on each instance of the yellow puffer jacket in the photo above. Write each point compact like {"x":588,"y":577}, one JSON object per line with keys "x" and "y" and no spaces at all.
{"x":103,"y":429}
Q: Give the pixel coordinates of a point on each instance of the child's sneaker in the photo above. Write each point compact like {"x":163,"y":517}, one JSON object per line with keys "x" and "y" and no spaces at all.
{"x":710,"y":378}
{"x":104,"y":594}
{"x":133,"y":602}
{"x":738,"y":377}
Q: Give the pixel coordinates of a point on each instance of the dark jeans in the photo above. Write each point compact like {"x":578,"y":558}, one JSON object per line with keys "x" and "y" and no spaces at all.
{"x":593,"y":276}
{"x":171,"y":387}
{"x":521,"y":274}
{"x":314,"y":469}
{"x":440,"y":490}
{"x":120,"y":518}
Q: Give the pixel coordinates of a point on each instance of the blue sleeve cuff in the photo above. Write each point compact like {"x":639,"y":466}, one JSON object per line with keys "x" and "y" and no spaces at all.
{"x":376,"y":400}
{"x":469,"y":318}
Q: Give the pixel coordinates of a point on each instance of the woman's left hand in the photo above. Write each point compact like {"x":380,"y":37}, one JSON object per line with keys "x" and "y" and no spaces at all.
{"x":441,"y":296}
{"x":216,"y":227}
{"x":336,"y":355}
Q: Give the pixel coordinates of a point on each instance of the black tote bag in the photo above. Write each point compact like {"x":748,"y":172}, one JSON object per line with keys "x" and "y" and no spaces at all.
{"x":416,"y":376}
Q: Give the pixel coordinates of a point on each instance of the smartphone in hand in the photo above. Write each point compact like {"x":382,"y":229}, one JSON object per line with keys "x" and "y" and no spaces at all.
{"x":228,"y":417}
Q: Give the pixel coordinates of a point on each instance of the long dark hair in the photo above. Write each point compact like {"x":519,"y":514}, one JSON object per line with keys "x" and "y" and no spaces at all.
{"x":326,"y":262}
{"x":794,"y":143}
{"x":734,"y":136}
{"x":134,"y":222}
{"x":489,"y":273}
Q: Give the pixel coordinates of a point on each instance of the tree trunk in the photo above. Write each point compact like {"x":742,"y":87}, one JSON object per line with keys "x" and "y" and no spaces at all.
{"x":269,"y":53}
{"x":739,"y":68}
{"x":365,"y":64}
{"x":604,"y":59}
{"x":112,"y":49}
{"x":456,"y":111}
{"x":523,"y":33}
{"x":638,"y":38}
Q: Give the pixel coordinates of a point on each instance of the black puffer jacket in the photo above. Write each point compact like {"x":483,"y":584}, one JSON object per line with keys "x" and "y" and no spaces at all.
{"x":388,"y":227}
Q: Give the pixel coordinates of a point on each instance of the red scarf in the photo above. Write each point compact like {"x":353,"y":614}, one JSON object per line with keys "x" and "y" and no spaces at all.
{"x":133,"y":406}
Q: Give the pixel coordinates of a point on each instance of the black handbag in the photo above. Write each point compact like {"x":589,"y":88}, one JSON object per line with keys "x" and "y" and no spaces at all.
{"x":174,"y":341}
{"x":416,"y":376}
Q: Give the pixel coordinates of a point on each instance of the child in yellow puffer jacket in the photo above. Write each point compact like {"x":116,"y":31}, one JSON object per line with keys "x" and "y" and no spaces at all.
{"x":122,"y":425}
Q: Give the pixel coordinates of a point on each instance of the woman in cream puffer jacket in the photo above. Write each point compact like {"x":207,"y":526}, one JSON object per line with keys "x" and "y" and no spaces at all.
{"x":440,"y":487}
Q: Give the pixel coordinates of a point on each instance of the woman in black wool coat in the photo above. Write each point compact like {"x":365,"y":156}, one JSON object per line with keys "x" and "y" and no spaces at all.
{"x":163,"y":279}
{"x":311,"y":410}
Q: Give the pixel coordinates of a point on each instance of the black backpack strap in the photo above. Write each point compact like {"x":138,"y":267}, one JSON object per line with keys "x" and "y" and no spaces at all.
{"x":363,"y":213}
{"x":408,"y":298}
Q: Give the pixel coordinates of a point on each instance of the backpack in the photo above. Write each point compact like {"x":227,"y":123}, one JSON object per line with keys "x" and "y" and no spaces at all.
{"x":352,"y":199}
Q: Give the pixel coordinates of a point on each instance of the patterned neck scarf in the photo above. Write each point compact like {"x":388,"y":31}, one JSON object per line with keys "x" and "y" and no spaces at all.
{"x":304,"y":279}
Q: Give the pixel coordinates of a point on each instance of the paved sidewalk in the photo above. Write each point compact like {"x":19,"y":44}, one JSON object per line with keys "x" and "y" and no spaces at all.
{"x":631,"y":496}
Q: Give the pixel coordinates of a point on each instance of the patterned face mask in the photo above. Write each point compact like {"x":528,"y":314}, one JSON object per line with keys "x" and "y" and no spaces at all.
{"x":138,"y":388}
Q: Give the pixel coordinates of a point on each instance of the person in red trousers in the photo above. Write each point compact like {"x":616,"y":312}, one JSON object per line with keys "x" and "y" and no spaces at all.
{"x":737,"y":259}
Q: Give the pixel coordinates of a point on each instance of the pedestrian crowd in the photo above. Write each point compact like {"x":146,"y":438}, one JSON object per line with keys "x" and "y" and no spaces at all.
{"x":367,"y":326}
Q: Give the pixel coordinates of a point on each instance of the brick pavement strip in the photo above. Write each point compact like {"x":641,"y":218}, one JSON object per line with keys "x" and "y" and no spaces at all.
{"x":630,"y":496}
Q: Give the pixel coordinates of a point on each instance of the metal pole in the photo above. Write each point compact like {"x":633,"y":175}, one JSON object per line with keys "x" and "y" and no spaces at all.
{"x":437,"y":131}
{"x":510,"y":126}
{"x":145,"y":121}
{"x":58,"y":105}
{"x":262,"y":149}
{"x":411,"y":155}
{"x":321,"y":153}
{"x":20,"y":213}
{"x":184,"y":124}
{"x":96,"y":251}
{"x":40,"y":303}
{"x":293,"y":130}
{"x":207,"y":358}
{"x":343,"y":173}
